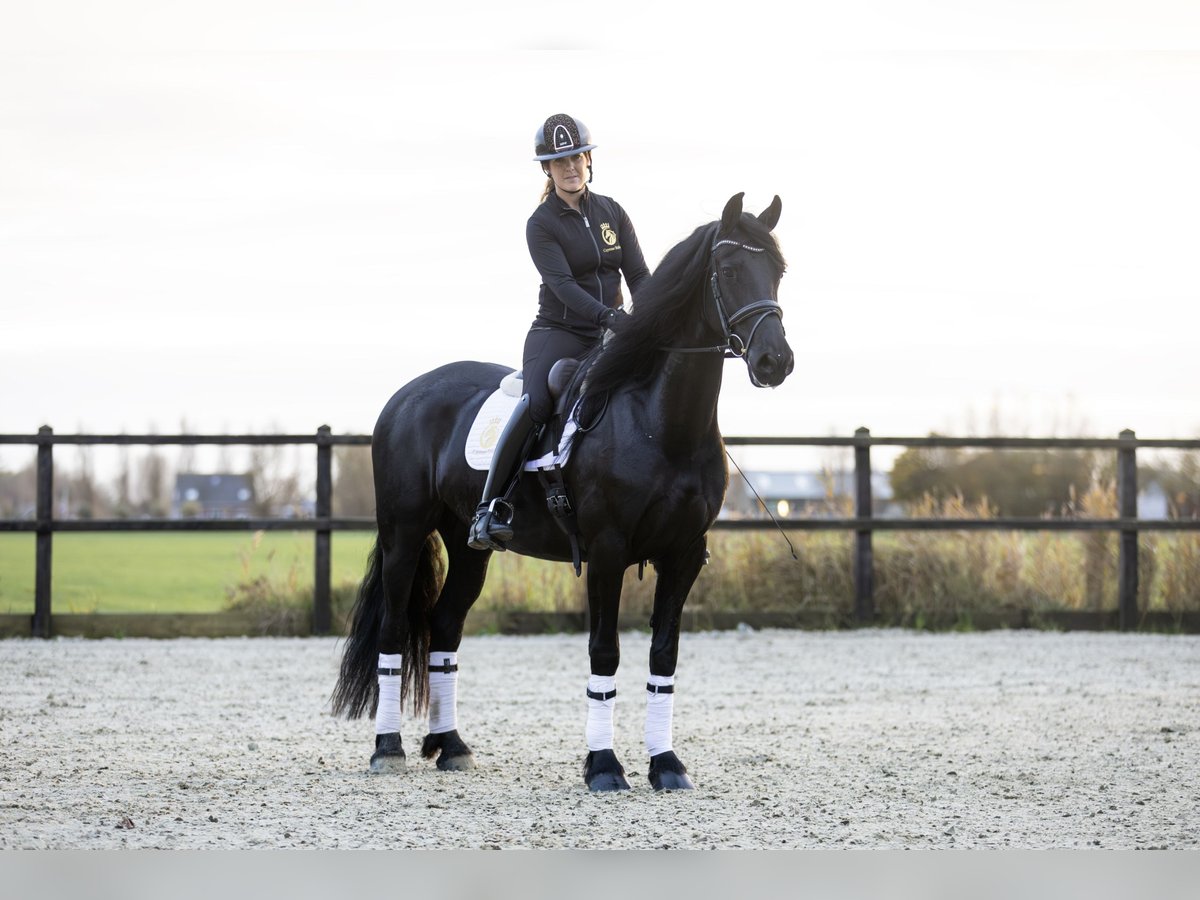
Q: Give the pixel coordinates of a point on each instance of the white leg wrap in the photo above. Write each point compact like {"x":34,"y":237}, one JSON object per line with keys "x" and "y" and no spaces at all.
{"x":443,"y":692}
{"x":387,"y":716}
{"x":660,"y":707}
{"x":600,"y":712}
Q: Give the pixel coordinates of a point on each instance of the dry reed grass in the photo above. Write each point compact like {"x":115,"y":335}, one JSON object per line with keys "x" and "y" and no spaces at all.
{"x":922,"y":579}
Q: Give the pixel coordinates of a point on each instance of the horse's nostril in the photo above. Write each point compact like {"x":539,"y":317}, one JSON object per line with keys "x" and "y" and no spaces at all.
{"x":771,"y":368}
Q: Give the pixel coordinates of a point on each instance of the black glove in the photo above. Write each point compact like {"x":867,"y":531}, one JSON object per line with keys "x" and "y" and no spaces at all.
{"x":616,"y":320}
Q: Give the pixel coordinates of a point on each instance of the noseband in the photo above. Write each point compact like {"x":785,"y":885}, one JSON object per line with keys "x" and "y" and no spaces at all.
{"x":734,"y":346}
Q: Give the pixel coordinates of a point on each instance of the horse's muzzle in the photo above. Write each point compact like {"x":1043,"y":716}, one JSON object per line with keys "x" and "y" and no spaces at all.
{"x":768,"y":368}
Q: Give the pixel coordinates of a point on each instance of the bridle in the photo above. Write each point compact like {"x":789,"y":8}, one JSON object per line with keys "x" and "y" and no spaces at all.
{"x":733,"y":347}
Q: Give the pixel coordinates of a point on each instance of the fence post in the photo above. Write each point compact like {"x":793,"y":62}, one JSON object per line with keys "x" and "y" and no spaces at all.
{"x":322,"y":612}
{"x":864,"y":563}
{"x":45,"y":533}
{"x":1127,"y":559}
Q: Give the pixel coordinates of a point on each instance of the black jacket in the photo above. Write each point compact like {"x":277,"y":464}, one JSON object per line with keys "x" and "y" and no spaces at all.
{"x":581,"y":257}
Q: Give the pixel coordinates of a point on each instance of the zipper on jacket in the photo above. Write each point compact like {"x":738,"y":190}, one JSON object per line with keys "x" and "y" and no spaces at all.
{"x":599,"y":257}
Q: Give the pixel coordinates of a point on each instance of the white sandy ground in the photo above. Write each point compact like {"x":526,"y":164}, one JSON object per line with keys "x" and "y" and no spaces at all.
{"x":872,"y":738}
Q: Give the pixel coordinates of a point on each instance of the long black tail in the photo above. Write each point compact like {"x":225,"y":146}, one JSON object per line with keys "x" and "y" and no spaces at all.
{"x":426,"y":587}
{"x":357,"y":690}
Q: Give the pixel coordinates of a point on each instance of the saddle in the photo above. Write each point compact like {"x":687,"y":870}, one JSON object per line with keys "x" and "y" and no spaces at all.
{"x":560,"y":380}
{"x":564,"y":381}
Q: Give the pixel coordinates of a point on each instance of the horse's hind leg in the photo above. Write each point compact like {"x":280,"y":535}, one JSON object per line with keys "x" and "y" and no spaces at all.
{"x":403,"y":557}
{"x":464,"y":581}
{"x":674,"y":580}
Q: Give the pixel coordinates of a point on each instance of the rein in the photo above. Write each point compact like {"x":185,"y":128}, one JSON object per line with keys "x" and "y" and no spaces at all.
{"x":734,"y":347}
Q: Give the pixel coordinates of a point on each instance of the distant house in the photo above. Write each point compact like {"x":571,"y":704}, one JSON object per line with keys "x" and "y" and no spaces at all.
{"x":215,"y":496}
{"x":796,"y":495}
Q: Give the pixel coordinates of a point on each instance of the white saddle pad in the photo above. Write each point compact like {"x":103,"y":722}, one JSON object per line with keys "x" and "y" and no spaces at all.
{"x":489,"y":424}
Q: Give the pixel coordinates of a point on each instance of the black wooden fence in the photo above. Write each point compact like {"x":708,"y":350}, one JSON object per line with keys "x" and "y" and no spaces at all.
{"x":864,"y":523}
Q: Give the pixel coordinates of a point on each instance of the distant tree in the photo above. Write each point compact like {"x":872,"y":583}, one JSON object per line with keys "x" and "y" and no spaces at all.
{"x":187,"y":452}
{"x":84,"y":491}
{"x":353,"y":482}
{"x":1014,"y":482}
{"x":1180,"y":482}
{"x":153,"y":487}
{"x":225,"y":458}
{"x":276,"y":481}
{"x":18,"y":491}
{"x":922,"y":471}
{"x":122,"y":487}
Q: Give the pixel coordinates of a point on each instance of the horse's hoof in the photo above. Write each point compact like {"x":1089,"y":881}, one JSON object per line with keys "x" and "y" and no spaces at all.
{"x":604,"y":773}
{"x":667,"y":773}
{"x":388,"y":758}
{"x":388,"y":763}
{"x":453,"y":755}
{"x":671,"y":781}
{"x":608,"y":783}
{"x":460,"y":762}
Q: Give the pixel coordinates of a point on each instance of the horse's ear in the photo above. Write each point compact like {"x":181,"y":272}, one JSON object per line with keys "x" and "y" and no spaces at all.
{"x":733,"y":213}
{"x":770,"y":215}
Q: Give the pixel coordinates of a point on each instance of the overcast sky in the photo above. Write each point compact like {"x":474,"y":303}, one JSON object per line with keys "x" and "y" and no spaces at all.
{"x":270,"y":214}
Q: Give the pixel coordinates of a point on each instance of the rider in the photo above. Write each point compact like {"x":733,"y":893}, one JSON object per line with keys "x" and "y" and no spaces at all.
{"x":581,"y":243}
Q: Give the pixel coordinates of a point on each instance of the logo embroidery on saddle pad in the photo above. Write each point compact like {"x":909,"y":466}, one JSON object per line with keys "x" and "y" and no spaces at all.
{"x":489,"y":424}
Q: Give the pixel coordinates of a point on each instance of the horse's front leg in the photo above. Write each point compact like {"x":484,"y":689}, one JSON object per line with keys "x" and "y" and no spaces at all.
{"x":676,"y":575}
{"x":606,"y":567}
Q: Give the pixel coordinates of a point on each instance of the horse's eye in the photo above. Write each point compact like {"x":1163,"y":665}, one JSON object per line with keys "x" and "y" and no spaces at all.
{"x":728,"y":272}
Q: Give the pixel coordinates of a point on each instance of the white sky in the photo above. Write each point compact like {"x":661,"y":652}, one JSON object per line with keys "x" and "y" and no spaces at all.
{"x":269,"y":214}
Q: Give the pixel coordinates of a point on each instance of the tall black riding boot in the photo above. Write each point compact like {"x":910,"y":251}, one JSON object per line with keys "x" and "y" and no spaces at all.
{"x":492,"y":526}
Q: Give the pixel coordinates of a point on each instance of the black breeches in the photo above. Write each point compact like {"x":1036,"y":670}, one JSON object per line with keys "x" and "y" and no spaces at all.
{"x":543,"y":348}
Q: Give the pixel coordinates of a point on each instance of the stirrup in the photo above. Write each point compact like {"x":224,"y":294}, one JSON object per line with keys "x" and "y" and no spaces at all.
{"x":500,"y":516}
{"x":492,"y":527}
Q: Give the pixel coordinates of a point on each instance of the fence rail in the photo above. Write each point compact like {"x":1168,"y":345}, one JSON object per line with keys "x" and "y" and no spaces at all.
{"x":864,"y":524}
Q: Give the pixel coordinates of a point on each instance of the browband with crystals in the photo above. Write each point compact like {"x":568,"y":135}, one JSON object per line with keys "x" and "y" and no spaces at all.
{"x":737,"y":244}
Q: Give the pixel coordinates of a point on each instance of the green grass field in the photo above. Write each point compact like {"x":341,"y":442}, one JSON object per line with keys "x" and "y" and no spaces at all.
{"x":944,"y":576}
{"x":167,"y":572}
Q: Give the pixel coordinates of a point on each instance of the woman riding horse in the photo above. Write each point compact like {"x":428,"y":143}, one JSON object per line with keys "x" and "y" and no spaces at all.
{"x":647,"y":479}
{"x":581,"y":242}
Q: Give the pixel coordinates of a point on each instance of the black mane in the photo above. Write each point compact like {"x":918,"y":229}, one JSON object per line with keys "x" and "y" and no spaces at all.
{"x":667,"y":303}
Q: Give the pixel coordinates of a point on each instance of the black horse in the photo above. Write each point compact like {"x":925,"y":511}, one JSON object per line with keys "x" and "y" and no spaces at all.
{"x":646,"y":483}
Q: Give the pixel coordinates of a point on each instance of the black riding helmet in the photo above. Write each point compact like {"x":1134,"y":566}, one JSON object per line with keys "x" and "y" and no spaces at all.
{"x":561,"y":135}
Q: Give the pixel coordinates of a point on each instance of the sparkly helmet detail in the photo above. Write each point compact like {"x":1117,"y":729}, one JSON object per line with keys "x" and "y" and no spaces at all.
{"x":561,"y":135}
